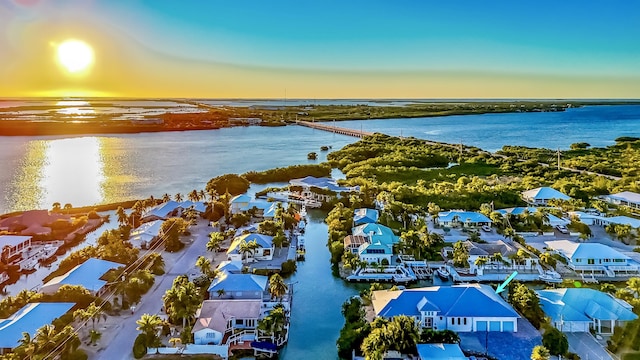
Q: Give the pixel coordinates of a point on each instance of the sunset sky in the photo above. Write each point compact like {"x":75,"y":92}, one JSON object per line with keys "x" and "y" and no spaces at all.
{"x":323,"y":49}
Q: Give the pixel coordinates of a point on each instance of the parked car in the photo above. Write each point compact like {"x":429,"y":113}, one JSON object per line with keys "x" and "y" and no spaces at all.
{"x":486,"y":228}
{"x":563,"y":229}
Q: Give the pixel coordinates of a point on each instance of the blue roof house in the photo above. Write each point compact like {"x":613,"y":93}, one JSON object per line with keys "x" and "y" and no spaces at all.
{"x":365,"y":216}
{"x":454,"y":218}
{"x":309,"y":185}
{"x":378,"y":242}
{"x":238,"y":286}
{"x":87,"y":275}
{"x":263,"y":252}
{"x":29,"y":319}
{"x":440,"y":352}
{"x":461,"y":308}
{"x":542,"y":195}
{"x":551,"y":220}
{"x":581,"y":309}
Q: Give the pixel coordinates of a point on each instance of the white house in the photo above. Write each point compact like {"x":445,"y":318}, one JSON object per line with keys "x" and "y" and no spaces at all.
{"x":264,"y":251}
{"x":12,"y":245}
{"x":582,"y":309}
{"x":375,"y":242}
{"x":217,"y":318}
{"x":616,"y":220}
{"x":550,"y":220}
{"x":461,"y":308}
{"x":145,"y":234}
{"x":594,"y":259}
{"x":625,"y":198}
{"x":465,"y":218}
{"x":28,"y":320}
{"x":542,"y":195}
{"x":506,"y":261}
{"x":319,"y":189}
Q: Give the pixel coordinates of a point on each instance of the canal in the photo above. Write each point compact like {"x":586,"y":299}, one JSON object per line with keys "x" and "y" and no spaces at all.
{"x":316,"y":319}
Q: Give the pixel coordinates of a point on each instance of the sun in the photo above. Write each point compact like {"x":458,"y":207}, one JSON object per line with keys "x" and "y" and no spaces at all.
{"x":75,"y":55}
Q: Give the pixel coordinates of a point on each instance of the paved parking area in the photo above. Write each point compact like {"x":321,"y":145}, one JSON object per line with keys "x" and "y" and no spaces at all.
{"x":587,"y":347}
{"x":504,"y":346}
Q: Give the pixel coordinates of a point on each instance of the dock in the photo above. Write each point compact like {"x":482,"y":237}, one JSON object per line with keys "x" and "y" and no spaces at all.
{"x":334,"y":129}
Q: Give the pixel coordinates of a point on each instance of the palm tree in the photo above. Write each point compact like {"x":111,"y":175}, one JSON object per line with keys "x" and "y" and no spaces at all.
{"x":149,"y":325}
{"x":182,"y":299}
{"x":55,"y":206}
{"x":45,"y":338}
{"x":204,"y":265}
{"x":497,"y":258}
{"x":178,"y":197}
{"x":215,"y":241}
{"x":508,"y":233}
{"x":27,"y":345}
{"x":67,"y":206}
{"x":247,"y":249}
{"x":95,"y":313}
{"x":194,"y":195}
{"x":277,"y":286}
{"x":122,"y":216}
{"x":67,"y":342}
{"x":166,"y":198}
{"x":481,"y":261}
{"x":221,"y":292}
{"x":540,"y":353}
{"x":634,"y":284}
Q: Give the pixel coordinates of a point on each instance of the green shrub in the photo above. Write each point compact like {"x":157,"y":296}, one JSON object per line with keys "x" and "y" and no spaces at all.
{"x":288,"y":267}
{"x":139,"y":347}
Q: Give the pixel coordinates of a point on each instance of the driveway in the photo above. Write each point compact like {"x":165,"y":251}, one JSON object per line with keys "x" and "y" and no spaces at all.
{"x":587,"y":347}
{"x":502,"y":345}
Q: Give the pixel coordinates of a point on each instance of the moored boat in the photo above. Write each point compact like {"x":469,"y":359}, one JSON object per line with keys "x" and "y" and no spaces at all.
{"x":443,"y":273}
{"x":29,"y":264}
{"x":551,"y":276}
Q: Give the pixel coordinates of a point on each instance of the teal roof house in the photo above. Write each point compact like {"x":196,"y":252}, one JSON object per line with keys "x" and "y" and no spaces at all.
{"x":541,"y":196}
{"x":593,"y":259}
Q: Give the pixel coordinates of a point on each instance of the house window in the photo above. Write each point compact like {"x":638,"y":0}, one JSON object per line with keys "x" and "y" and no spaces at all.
{"x":590,"y":261}
{"x":453,"y":321}
{"x":239,"y":322}
{"x":266,"y":252}
{"x":211,"y":335}
{"x":458,"y":321}
{"x":465,"y":321}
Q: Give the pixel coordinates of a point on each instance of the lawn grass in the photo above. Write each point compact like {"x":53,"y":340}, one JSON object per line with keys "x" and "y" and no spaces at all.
{"x":631,"y":356}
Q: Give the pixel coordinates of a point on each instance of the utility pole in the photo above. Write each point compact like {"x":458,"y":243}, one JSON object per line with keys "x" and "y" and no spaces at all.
{"x":558,"y":158}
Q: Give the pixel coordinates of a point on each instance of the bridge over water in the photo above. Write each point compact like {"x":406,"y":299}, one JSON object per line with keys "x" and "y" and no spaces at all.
{"x":334,"y":129}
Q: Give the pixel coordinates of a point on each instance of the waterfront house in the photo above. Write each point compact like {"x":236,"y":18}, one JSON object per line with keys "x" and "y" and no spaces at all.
{"x":352,"y":243}
{"x":146,"y":234}
{"x":594,"y":259}
{"x":262,"y":208}
{"x":461,"y":308}
{"x":625,"y":198}
{"x":217,"y":320}
{"x":583,"y":309}
{"x":499,"y":255}
{"x":264,"y":250}
{"x":319,"y":189}
{"x":456,"y":218}
{"x":88,"y":275}
{"x":229,"y":285}
{"x":12,"y":245}
{"x":378,"y":241}
{"x":541,"y":196}
{"x":616,"y":220}
{"x":172,"y":209}
{"x":365,"y":216}
{"x":28,"y":320}
{"x":550,"y":220}
{"x":440,"y":352}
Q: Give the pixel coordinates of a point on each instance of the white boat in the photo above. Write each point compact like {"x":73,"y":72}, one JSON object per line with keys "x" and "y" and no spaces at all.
{"x":48,"y":252}
{"x":551,"y":276}
{"x":29,"y":264}
{"x":443,"y":273}
{"x":300,"y":241}
{"x":303,"y":211}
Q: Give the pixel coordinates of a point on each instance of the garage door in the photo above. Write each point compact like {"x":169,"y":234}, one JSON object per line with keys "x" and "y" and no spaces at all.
{"x":507,"y":326}
{"x":481,"y":326}
{"x":494,"y":326}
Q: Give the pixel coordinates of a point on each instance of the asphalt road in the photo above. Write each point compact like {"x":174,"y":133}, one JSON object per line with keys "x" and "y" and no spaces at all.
{"x":121,"y":345}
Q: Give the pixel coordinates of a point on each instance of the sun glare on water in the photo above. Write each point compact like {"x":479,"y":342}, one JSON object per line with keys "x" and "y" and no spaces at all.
{"x":75,"y":55}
